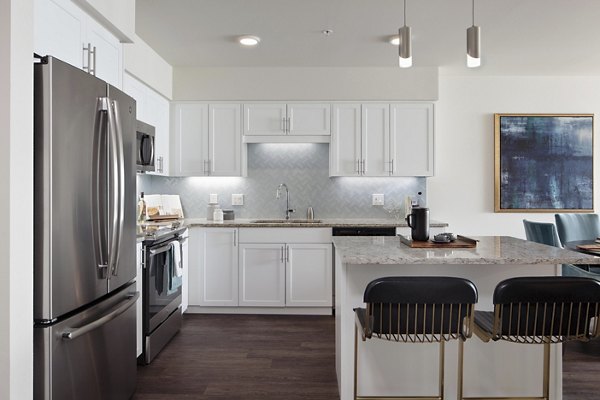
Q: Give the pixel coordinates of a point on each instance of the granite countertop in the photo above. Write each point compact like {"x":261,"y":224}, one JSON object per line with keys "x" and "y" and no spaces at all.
{"x":489,"y":250}
{"x":325,"y":223}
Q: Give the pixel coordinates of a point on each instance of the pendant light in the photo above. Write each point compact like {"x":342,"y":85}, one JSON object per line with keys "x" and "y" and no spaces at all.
{"x":404,"y":48}
{"x":473,"y":43}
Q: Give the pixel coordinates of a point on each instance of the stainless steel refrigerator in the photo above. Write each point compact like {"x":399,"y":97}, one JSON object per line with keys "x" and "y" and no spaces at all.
{"x":84,"y":236}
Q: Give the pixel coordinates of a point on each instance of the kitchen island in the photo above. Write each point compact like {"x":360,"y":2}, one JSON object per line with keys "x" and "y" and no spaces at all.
{"x":491,"y":369}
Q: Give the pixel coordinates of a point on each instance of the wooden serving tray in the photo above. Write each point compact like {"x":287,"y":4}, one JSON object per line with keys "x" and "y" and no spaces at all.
{"x":461,"y":242}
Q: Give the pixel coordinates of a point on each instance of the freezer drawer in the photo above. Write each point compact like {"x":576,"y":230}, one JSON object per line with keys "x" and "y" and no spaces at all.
{"x":91,"y":355}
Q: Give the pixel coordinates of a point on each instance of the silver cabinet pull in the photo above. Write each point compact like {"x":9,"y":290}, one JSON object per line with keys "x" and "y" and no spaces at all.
{"x":289,"y":124}
{"x":357,"y":167}
{"x":75,"y":333}
{"x":362,"y":167}
{"x":287,"y":253}
{"x":281,"y":254}
{"x":234,"y":238}
{"x":87,"y":68}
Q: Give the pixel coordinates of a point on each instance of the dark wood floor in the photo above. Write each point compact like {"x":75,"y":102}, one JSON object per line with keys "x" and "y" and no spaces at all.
{"x":250,"y":357}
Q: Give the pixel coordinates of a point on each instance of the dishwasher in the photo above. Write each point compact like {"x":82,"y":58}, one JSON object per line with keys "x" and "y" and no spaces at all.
{"x":358,"y":231}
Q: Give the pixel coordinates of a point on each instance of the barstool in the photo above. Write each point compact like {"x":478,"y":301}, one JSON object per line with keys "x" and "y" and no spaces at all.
{"x":539,"y":310}
{"x":415,"y":310}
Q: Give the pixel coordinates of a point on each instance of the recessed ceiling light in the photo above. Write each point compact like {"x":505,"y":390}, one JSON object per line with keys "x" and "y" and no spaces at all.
{"x":395,"y":40}
{"x":249,"y":40}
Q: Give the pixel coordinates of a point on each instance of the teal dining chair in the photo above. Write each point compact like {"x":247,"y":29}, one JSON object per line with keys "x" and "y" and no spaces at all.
{"x":573,"y":227}
{"x":546,"y":233}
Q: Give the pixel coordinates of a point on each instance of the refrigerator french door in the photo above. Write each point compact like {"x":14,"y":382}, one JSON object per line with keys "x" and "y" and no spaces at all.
{"x":84,"y":235}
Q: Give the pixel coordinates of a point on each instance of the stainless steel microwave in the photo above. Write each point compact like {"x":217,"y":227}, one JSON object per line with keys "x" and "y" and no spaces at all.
{"x":145,"y":135}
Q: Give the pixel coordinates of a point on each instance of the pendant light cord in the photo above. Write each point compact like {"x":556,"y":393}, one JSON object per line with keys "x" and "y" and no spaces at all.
{"x":404,"y":12}
{"x":473,"y":12}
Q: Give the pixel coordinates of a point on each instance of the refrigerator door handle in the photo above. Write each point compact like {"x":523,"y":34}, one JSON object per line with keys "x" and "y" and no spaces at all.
{"x":98,"y":208}
{"x":124,"y":306}
{"x":118,"y":192}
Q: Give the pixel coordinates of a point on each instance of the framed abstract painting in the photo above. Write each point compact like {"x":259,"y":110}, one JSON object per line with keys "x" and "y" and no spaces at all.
{"x":544,"y":162}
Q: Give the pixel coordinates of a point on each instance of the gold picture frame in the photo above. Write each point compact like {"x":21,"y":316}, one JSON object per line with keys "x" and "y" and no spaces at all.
{"x":543,"y":163}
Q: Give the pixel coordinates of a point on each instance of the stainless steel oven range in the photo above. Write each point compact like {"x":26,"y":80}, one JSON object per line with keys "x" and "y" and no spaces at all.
{"x":161,"y":289}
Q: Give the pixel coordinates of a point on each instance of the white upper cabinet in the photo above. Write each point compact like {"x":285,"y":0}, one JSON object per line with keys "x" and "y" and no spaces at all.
{"x":345,"y":152}
{"x":283,"y":122}
{"x":378,"y":139}
{"x":224,"y":140}
{"x":63,"y":30}
{"x":207,"y":140}
{"x":309,"y":119}
{"x":153,"y":109}
{"x":411,"y":146}
{"x":265,"y":119}
{"x":375,"y":139}
{"x":190,"y":150}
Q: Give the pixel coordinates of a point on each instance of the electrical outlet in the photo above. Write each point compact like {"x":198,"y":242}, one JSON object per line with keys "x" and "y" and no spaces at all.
{"x":213,"y":198}
{"x":377,"y":199}
{"x":237,"y":199}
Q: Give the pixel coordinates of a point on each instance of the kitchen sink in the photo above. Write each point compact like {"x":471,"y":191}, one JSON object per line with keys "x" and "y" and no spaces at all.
{"x":287,"y":221}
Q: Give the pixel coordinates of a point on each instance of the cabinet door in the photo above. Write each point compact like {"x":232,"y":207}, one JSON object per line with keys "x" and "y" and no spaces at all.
{"x":376,"y":136}
{"x":138,"y":304}
{"x":225,"y":140}
{"x":190,"y":153}
{"x":309,"y":275}
{"x":411,"y":139}
{"x":311,"y":119}
{"x":59,"y":30}
{"x":345,"y":146}
{"x":262,"y":275}
{"x":215,"y":280}
{"x":264,"y":119}
{"x":109,"y":54}
{"x":159,"y":107}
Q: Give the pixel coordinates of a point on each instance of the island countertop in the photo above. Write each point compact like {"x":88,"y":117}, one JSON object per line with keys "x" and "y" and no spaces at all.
{"x":489,"y":250}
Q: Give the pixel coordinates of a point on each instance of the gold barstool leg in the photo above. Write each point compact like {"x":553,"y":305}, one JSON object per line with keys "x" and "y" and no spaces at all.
{"x":441,"y":366}
{"x":461,"y":351}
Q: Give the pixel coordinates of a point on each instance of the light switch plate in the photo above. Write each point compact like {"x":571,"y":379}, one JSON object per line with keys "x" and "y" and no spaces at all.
{"x":237,"y":199}
{"x":213,"y":198}
{"x":377,"y":199}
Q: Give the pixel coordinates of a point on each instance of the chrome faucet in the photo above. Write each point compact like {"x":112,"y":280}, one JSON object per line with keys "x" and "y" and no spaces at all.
{"x":288,"y":210}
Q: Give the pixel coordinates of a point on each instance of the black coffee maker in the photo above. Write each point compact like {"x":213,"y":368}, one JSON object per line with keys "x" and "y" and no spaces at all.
{"x":418,"y":221}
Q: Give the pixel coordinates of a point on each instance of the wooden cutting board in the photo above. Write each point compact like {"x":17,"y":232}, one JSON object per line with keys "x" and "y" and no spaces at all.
{"x":461,"y":242}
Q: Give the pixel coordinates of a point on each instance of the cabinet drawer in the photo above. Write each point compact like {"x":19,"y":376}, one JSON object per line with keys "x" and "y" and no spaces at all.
{"x":285,"y":235}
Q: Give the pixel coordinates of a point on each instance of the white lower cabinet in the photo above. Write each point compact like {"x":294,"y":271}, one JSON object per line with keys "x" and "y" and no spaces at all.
{"x":262,"y":275}
{"x":286,"y":267}
{"x":272,"y":269}
{"x":213,"y":267}
{"x":308,"y":275}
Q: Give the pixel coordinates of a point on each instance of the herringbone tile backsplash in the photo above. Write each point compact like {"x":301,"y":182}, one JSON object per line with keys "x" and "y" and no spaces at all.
{"x":304,"y":168}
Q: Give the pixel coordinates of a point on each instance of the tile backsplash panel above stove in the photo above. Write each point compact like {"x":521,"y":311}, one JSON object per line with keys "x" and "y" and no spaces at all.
{"x":304,"y":168}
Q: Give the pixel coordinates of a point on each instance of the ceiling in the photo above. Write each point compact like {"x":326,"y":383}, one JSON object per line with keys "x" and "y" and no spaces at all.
{"x":523,"y":37}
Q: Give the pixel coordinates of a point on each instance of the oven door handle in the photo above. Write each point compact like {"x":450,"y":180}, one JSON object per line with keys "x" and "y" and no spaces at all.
{"x":160,"y":249}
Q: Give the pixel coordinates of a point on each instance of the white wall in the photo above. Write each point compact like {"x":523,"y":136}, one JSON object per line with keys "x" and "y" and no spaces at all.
{"x":462,"y":191}
{"x":141,"y":61}
{"x":16,"y":198}
{"x":305,"y":83}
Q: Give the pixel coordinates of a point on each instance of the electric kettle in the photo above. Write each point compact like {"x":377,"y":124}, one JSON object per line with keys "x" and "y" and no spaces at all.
{"x":418,"y":221}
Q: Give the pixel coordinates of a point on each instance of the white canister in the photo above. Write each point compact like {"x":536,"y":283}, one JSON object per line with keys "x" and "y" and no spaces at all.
{"x":210,"y":211}
{"x":218,"y":215}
